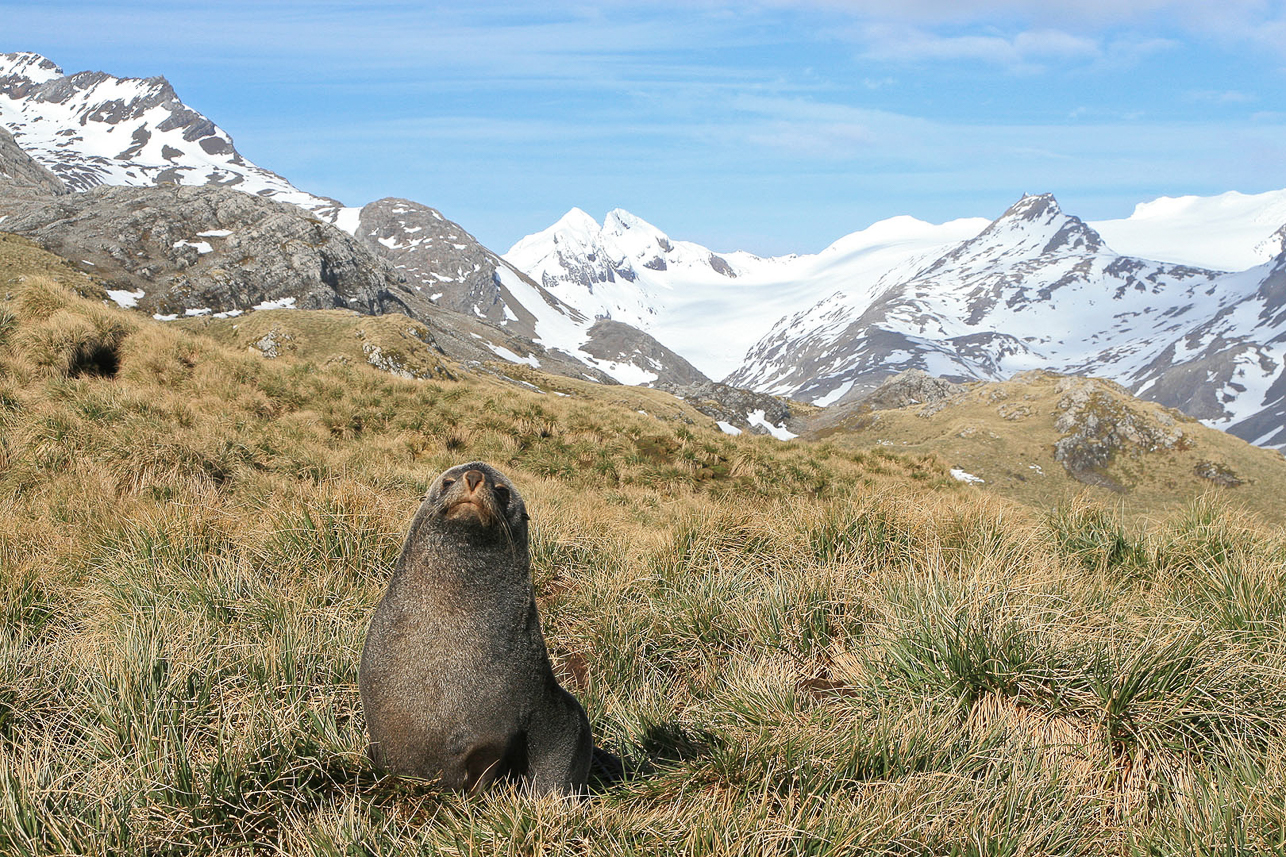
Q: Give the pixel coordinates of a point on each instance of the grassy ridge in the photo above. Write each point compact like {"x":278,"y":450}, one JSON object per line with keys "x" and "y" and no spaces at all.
{"x":798,"y":649}
{"x":1027,"y":435}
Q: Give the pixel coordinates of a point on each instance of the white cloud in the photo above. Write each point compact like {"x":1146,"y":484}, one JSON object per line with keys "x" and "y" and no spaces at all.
{"x":1215,"y":96}
{"x":1027,"y":50}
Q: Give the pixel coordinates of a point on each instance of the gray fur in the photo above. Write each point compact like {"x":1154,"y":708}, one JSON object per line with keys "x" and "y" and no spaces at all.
{"x":456,"y":681}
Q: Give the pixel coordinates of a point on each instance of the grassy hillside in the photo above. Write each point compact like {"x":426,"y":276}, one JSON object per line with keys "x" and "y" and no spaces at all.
{"x":1043,"y":438}
{"x":797,"y":648}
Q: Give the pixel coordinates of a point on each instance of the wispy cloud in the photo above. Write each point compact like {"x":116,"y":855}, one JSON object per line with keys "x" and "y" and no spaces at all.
{"x":1225,"y":96}
{"x":1023,"y":51}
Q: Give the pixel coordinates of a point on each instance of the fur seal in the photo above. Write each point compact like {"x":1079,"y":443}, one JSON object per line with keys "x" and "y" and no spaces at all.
{"x":455,"y":677}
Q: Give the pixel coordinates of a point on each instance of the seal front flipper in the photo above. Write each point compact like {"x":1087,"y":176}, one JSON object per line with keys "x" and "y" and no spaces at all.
{"x":561,"y":747}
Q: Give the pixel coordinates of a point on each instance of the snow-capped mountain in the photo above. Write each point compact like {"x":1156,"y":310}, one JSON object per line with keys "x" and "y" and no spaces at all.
{"x":1040,"y":289}
{"x":446,"y":265}
{"x":709,"y":306}
{"x":91,"y":129}
{"x":964,"y":299}
{"x":1228,"y":370}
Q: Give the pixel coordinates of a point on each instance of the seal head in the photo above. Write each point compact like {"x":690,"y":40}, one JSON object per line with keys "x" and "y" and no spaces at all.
{"x":479,"y":496}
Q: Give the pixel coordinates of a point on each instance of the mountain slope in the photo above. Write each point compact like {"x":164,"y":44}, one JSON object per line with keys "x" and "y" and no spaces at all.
{"x":1039,"y":289}
{"x":1042,"y":438}
{"x":710,"y":306}
{"x":91,"y":129}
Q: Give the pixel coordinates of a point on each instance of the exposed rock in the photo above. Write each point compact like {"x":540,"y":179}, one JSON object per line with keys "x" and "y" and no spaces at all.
{"x":446,"y":265}
{"x":272,"y":344}
{"x":1097,"y":425}
{"x":746,"y":410}
{"x":18,"y":170}
{"x":202,"y":249}
{"x":912,"y":387}
{"x":1220,"y":474}
{"x":615,"y":342}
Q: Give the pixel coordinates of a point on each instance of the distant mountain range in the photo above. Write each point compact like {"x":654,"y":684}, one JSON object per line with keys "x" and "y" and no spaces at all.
{"x":120,"y":177}
{"x":132,"y":154}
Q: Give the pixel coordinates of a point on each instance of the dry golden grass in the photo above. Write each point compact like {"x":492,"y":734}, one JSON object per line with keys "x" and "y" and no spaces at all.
{"x":1007,"y":432}
{"x":797,"y":649}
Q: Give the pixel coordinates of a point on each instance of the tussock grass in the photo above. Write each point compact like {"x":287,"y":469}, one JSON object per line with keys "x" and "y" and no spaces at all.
{"x":796,"y":649}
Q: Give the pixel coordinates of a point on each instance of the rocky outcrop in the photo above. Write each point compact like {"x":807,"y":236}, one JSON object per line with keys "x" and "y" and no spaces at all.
{"x":1098,"y":422}
{"x":177,"y":251}
{"x":912,"y":387}
{"x":905,"y":389}
{"x":19,"y":171}
{"x":742,"y":410}
{"x":441,"y":261}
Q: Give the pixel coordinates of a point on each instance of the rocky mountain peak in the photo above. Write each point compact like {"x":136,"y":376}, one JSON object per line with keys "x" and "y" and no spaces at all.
{"x":1037,"y":223}
{"x":1039,"y":208}
{"x":26,"y":66}
{"x":91,"y":129}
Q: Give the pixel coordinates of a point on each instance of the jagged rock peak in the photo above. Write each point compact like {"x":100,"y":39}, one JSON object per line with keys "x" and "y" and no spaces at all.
{"x":1038,"y":220}
{"x":1039,"y":208}
{"x":29,"y":66}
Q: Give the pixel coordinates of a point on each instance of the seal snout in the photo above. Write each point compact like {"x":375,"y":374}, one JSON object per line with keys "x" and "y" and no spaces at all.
{"x":471,"y":500}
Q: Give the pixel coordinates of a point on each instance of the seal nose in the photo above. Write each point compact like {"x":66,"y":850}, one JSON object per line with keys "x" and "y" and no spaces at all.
{"x":472,"y":478}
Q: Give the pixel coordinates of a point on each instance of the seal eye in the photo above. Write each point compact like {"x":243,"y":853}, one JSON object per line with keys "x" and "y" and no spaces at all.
{"x":502,"y":494}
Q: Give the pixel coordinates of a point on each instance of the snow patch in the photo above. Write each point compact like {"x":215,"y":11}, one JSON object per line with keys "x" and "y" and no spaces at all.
{"x":834,"y":395}
{"x":759,"y":418}
{"x":201,"y":247}
{"x":511,"y":357}
{"x":279,"y":303}
{"x":124,"y":298}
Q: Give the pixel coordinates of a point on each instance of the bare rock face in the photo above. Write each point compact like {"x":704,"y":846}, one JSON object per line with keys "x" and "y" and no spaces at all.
{"x":445,"y":265}
{"x":744,"y":410}
{"x":618,"y":343}
{"x":435,"y":255}
{"x":912,"y":387}
{"x":906,"y":389}
{"x":18,"y":170}
{"x":199,"y":250}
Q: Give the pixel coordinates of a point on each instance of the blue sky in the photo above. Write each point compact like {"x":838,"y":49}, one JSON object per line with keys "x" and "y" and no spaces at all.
{"x":770,"y":126}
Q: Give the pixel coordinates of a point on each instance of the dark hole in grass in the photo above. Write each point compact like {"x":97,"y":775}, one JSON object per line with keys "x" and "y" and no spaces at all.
{"x":94,"y":360}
